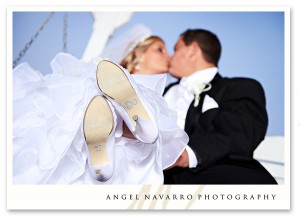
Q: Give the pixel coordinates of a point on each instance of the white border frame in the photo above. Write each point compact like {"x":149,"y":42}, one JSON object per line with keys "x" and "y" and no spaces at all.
{"x":95,"y":196}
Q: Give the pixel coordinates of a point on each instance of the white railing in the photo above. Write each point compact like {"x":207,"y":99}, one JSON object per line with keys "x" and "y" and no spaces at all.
{"x":270,"y":153}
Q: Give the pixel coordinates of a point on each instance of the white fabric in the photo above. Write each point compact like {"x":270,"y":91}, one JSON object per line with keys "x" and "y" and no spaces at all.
{"x":180,"y":96}
{"x":192,"y":157}
{"x":121,"y":46}
{"x":160,"y":155}
{"x":153,"y":82}
{"x":48,"y":141}
{"x":209,"y":103}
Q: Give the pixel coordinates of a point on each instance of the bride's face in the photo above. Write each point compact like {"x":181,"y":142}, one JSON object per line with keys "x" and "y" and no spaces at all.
{"x":155,"y":60}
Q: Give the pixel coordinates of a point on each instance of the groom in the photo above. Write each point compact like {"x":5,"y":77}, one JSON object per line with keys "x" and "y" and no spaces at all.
{"x":225,"y":118}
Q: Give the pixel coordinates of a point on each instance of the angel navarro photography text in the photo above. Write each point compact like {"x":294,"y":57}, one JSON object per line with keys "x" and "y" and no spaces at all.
{"x":179,"y":197}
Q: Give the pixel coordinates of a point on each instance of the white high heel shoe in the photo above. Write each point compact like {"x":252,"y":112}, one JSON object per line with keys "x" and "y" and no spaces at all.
{"x":120,"y":88}
{"x":98,"y":127}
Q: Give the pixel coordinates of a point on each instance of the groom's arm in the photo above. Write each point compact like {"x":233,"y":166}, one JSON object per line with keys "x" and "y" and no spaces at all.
{"x":239,"y":125}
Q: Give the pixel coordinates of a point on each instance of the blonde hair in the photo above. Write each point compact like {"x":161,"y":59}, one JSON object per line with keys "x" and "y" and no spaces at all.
{"x":133,"y":58}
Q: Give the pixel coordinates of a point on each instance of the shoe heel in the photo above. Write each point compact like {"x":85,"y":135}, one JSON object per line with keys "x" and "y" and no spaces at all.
{"x":97,"y":127}
{"x":114,"y":83}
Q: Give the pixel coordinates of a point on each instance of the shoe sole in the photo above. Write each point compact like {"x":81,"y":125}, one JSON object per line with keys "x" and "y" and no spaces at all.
{"x":114,"y":83}
{"x":97,"y":126}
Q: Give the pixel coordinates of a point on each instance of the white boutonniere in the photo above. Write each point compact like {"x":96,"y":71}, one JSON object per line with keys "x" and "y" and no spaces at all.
{"x":198,"y":89}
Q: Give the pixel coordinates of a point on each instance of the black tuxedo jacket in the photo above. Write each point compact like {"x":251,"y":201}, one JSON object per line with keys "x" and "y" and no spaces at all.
{"x":234,"y":129}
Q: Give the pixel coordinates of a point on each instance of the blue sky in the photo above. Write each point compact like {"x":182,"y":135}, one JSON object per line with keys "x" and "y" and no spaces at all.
{"x":252,"y":44}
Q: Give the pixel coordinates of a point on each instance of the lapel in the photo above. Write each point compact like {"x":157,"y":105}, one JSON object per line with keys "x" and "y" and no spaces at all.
{"x":171,"y":85}
{"x":195,"y":115}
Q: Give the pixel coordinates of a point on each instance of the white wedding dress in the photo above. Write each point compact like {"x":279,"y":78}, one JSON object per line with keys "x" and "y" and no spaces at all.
{"x":48,"y":141}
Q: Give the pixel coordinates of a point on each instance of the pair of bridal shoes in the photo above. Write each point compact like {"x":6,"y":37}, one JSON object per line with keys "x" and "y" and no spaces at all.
{"x":120,"y":93}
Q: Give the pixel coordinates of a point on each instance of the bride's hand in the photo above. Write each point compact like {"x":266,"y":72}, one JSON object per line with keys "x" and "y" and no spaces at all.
{"x":182,"y":161}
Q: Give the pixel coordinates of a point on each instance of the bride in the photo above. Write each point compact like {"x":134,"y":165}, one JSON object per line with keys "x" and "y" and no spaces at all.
{"x":49,"y":144}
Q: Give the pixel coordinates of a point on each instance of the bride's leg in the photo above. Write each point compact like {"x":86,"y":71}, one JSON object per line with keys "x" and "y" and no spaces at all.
{"x":126,"y":132}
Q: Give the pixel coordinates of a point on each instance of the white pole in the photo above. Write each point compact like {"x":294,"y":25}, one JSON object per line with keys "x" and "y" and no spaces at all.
{"x":105,"y":23}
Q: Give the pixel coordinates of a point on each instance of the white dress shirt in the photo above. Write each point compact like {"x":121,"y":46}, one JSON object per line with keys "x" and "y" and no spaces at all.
{"x":180,"y":96}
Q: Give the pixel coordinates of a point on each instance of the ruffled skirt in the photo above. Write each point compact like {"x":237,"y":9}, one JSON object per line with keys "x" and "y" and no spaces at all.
{"x":48,"y":141}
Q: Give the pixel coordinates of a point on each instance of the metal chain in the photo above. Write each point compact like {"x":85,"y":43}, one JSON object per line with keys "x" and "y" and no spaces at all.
{"x":65,"y":34}
{"x":32,"y":39}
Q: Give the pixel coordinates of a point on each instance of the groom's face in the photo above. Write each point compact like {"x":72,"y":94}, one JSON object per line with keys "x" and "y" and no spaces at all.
{"x":180,"y":61}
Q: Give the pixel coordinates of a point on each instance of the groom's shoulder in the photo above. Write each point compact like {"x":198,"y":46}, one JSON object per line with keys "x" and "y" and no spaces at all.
{"x":238,"y":86}
{"x":242,"y":82}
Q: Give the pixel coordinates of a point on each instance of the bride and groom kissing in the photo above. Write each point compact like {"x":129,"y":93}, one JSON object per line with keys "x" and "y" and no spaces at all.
{"x":203,"y":130}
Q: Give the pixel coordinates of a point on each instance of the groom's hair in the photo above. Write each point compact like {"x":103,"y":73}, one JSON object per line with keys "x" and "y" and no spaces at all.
{"x":207,"y":41}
